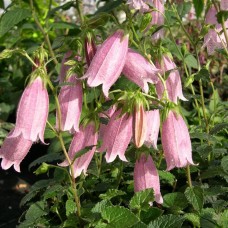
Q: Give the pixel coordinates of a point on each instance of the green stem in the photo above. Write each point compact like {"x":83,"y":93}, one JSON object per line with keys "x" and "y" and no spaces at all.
{"x":59,"y":135}
{"x":28,"y":57}
{"x":203,"y":105}
{"x":79,"y":9}
{"x":46,"y":36}
{"x":188,"y":172}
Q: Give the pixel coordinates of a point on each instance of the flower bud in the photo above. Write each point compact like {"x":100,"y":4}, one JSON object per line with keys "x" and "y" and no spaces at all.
{"x":90,"y":50}
{"x":139,"y":125}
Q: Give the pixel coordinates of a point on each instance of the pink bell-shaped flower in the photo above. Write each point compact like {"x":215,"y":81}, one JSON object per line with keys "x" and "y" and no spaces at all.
{"x":139,"y":70}
{"x":85,"y":137}
{"x":176,"y":142}
{"x":140,"y":5}
{"x":153,"y":124}
{"x":13,"y":151}
{"x":158,"y":18}
{"x":214,"y":39}
{"x":117,"y":137}
{"x":146,"y":176}
{"x":224,"y":5}
{"x":70,"y":100}
{"x":173,"y":82}
{"x":108,"y":62}
{"x":32,"y":112}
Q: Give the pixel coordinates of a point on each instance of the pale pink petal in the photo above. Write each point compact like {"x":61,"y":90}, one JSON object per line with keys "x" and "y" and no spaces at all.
{"x":176,"y":142}
{"x":146,"y":176}
{"x":32,"y":112}
{"x":84,"y":138}
{"x":153,"y":124}
{"x":13,"y":151}
{"x":108,"y":62}
{"x":224,"y":5}
{"x":138,"y":5}
{"x":139,"y":70}
{"x":117,"y":136}
{"x":173,"y":82}
{"x":70,"y":100}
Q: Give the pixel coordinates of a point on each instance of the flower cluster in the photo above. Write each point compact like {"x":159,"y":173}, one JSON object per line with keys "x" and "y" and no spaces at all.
{"x":137,"y":123}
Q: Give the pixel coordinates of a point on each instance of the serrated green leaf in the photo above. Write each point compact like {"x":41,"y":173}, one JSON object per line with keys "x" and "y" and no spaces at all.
{"x":12,"y":18}
{"x":47,"y":158}
{"x":202,"y":136}
{"x":140,"y":225}
{"x":183,"y":8}
{"x":140,"y":200}
{"x":63,"y":25}
{"x":167,"y":177}
{"x":224,"y":163}
{"x":167,"y":221}
{"x":214,"y":101}
{"x":119,"y":217}
{"x":35,"y":211}
{"x":70,"y":207}
{"x":218,"y":127}
{"x":222,"y":15}
{"x":223,"y":221}
{"x":198,"y":5}
{"x":109,"y":6}
{"x":145,"y":21}
{"x":53,"y":190}
{"x":28,"y":197}
{"x":193,"y":218}
{"x":111,"y":193}
{"x":195,"y":196}
{"x":100,"y":206}
{"x":150,"y":214}
{"x":175,"y":201}
{"x":191,"y":61}
{"x":71,"y":221}
{"x":203,"y":75}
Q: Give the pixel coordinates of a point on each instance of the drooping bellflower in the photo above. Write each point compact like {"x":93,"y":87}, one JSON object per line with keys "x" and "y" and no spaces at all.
{"x":32,"y":112}
{"x":84,"y":138}
{"x":139,"y":70}
{"x":176,"y":142}
{"x":119,"y":133}
{"x":146,"y":176}
{"x":70,"y":100}
{"x":173,"y":82}
{"x":108,"y":62}
{"x":14,"y":150}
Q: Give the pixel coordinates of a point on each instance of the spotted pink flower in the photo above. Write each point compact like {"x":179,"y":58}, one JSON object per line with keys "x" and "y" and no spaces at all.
{"x":146,"y":177}
{"x":32,"y":112}
{"x":176,"y":142}
{"x":108,"y":62}
{"x":84,"y":138}
{"x":139,"y":70}
{"x":13,"y":151}
{"x":70,"y":100}
{"x":117,"y":137}
{"x":173,"y":82}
